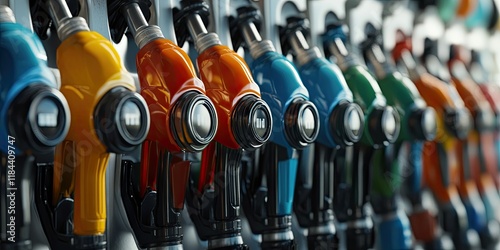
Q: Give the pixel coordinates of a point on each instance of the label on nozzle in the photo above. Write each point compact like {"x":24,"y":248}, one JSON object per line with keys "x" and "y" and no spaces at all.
{"x":131,"y":118}
{"x":47,"y":118}
{"x":260,"y":121}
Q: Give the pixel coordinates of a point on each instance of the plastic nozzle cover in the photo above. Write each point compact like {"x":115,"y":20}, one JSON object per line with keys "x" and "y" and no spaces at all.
{"x":422,"y":123}
{"x":251,"y":122}
{"x":194,"y":121}
{"x":347,"y":122}
{"x":39,"y":118}
{"x":384,"y":125}
{"x":121,"y":120}
{"x":301,"y":123}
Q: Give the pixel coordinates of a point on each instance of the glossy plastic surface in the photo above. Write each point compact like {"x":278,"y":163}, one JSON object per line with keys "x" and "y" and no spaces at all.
{"x":327,"y":88}
{"x":90,"y":67}
{"x":280,"y":84}
{"x":227,"y":79}
{"x":366,"y":93}
{"x":23,"y":62}
{"x":165,"y":74}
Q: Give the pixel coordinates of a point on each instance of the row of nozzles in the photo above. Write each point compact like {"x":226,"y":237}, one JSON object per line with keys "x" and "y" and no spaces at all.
{"x":315,"y":145}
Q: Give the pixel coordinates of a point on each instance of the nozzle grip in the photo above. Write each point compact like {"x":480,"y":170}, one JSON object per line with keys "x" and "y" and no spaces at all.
{"x":441,"y":169}
{"x":215,"y":208}
{"x":173,"y":176}
{"x":322,"y":193}
{"x":280,"y":165}
{"x":90,"y":191}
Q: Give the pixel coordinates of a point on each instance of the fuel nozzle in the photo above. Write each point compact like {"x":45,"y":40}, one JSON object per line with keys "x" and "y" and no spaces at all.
{"x":295,"y":126}
{"x":420,"y":122}
{"x":301,"y":117}
{"x":39,"y":114}
{"x":184,"y":121}
{"x":245,"y":123}
{"x":250,"y":118}
{"x":345,"y":121}
{"x":111,"y":118}
{"x":382,"y":123}
{"x":193,"y":120}
{"x":34,"y":118}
